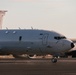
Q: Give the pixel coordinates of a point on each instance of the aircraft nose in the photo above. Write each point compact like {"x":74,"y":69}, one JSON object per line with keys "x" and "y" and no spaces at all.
{"x":72,"y":45}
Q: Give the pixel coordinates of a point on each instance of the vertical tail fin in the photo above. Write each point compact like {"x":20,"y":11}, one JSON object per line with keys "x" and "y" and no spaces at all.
{"x":2,"y":13}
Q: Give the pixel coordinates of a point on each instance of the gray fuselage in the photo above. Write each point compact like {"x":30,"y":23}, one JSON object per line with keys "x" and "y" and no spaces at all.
{"x":31,"y":42}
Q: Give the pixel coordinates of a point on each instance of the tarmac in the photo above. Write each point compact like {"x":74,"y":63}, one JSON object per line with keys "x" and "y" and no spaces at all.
{"x":64,"y":66}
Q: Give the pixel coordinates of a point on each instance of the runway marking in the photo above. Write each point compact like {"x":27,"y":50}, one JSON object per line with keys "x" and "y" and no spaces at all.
{"x":34,"y":60}
{"x":37,"y":67}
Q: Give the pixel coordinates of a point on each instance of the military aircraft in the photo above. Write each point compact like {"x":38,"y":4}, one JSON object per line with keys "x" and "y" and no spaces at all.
{"x":33,"y":41}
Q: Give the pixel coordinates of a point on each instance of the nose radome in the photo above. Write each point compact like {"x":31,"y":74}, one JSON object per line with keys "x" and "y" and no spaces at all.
{"x":72,"y":45}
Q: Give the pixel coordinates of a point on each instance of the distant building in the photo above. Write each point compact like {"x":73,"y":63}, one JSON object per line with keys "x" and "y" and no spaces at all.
{"x":2,"y":13}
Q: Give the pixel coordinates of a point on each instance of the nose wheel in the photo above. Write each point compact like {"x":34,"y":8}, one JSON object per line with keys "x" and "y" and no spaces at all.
{"x":54,"y":60}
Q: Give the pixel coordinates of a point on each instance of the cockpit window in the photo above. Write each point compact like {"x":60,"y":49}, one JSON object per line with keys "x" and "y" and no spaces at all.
{"x":59,"y":37}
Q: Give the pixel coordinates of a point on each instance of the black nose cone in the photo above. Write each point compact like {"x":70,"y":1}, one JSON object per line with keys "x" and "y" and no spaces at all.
{"x":72,"y":45}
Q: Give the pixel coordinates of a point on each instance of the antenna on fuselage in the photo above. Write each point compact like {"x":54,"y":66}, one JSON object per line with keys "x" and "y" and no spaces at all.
{"x":19,"y":27}
{"x":6,"y":28}
{"x":31,"y":27}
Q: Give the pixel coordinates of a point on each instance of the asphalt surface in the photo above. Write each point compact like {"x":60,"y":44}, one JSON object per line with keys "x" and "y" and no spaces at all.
{"x":37,"y":67}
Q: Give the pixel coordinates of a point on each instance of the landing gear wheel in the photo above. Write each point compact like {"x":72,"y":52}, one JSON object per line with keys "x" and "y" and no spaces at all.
{"x":54,"y":60}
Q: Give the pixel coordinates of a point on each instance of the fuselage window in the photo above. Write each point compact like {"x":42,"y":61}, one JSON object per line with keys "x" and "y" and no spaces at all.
{"x":14,"y":32}
{"x":6,"y":32}
{"x":20,"y":38}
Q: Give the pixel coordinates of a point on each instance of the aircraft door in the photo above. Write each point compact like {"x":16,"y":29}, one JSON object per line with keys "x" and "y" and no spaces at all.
{"x":20,"y":38}
{"x":45,"y":39}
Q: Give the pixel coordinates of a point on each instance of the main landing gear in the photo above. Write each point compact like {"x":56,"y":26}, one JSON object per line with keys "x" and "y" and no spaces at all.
{"x":54,"y":60}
